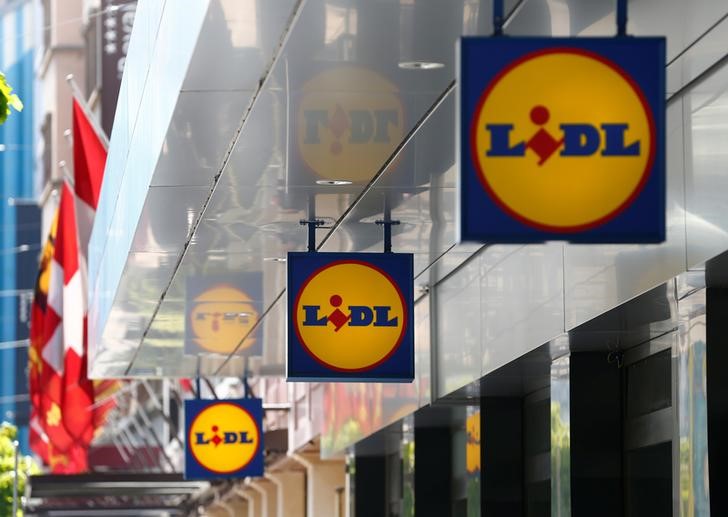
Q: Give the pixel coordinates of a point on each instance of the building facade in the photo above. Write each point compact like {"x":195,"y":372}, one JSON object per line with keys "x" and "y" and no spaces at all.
{"x":19,"y":217}
{"x":551,"y":379}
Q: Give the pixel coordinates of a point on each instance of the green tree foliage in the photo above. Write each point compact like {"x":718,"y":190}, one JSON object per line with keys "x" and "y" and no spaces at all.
{"x":7,"y":99}
{"x":8,"y":434}
{"x":560,"y":463}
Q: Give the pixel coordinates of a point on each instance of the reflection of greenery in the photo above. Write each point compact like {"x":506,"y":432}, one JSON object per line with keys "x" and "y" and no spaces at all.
{"x":7,"y":99}
{"x":337,"y":439}
{"x":8,"y":433}
{"x":408,"y":489}
{"x":694,"y":497}
{"x":560,"y":464}
{"x":474,"y":496}
{"x":687,"y":498}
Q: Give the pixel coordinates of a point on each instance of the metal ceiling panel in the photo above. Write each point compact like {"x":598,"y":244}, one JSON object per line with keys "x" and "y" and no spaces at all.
{"x":325,"y":90}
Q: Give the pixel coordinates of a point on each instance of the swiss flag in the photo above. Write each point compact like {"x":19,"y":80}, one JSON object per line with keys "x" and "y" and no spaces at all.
{"x":64,"y":418}
{"x":89,"y":161}
{"x":49,"y":437}
{"x":77,"y":396}
{"x":62,"y":345}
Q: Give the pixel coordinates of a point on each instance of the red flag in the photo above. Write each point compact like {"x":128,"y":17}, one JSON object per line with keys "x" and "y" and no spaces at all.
{"x":62,"y":396}
{"x":77,"y":389}
{"x":89,"y":161}
{"x":66,"y":396}
{"x":48,"y":435}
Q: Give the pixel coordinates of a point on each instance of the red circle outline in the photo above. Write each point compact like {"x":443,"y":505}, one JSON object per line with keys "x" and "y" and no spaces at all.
{"x":545,"y":227}
{"x":381,"y":272}
{"x":192,"y":449}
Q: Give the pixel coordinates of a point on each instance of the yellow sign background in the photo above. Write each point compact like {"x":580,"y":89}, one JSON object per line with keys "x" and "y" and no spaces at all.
{"x":565,"y":193}
{"x":224,"y":458}
{"x":351,"y":348}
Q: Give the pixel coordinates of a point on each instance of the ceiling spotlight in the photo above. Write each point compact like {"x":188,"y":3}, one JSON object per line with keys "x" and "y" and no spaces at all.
{"x":336,"y":183}
{"x":420,"y":65}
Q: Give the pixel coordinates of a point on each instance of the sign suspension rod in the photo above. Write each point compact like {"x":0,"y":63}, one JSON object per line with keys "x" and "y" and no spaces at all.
{"x":312,"y":223}
{"x":498,"y":17}
{"x":621,"y":17}
{"x":387,"y":223}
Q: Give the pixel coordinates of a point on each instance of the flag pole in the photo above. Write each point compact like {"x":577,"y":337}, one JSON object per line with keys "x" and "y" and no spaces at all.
{"x":68,"y":176}
{"x":76,"y":91}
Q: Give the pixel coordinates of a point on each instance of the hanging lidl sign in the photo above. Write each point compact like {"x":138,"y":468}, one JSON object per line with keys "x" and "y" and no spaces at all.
{"x":224,"y":438}
{"x":350,"y":317}
{"x":562,"y":139}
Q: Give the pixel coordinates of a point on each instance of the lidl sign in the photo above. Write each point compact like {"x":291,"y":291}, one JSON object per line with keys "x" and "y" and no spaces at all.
{"x":562,"y":139}
{"x":224,"y":438}
{"x":350,"y":317}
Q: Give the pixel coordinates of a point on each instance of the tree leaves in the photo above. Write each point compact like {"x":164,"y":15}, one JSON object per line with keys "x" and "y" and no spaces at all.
{"x":7,"y":99}
{"x":8,"y":433}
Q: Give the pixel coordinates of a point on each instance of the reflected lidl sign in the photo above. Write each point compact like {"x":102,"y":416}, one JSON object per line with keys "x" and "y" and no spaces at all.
{"x":222,"y":313}
{"x":350,"y":316}
{"x":348,"y":121}
{"x":224,"y":438}
{"x":562,"y":139}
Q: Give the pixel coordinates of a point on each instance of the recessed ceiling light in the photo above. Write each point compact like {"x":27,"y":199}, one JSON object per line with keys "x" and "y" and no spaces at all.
{"x":274,"y":259}
{"x":336,"y":183}
{"x":420,"y":65}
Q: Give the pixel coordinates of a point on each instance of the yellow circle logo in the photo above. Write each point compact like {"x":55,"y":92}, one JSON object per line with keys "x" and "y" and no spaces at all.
{"x":350,"y":316}
{"x":563,"y":140}
{"x":348,"y":122}
{"x":224,"y":438}
{"x":221,"y":317}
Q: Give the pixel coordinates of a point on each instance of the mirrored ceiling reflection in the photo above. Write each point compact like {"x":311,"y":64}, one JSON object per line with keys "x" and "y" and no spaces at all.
{"x":330,"y":129}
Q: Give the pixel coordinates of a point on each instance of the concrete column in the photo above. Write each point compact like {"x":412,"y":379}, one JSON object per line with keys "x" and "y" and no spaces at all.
{"x":716,"y":386}
{"x":253,"y":500}
{"x":239,"y":506}
{"x":596,"y":434}
{"x":267,"y":491}
{"x":215,"y":511}
{"x":219,"y":509}
{"x":290,"y":492}
{"x":324,"y":477}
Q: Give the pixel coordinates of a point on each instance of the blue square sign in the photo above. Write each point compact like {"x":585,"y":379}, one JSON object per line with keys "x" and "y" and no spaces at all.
{"x":350,"y":317}
{"x":562,"y":139}
{"x":224,"y":438}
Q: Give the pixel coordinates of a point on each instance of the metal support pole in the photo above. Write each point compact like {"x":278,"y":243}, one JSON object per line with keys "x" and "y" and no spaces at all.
{"x":498,"y":17}
{"x":134,"y":455}
{"x":120,"y":448}
{"x":16,"y":446}
{"x":247,"y":391}
{"x":78,"y":95}
{"x":155,"y":400}
{"x":150,"y":429}
{"x":621,"y":17}
{"x":312,"y":224}
{"x":198,"y":393}
{"x":146,"y":443}
{"x":211,"y":388}
{"x":387,"y":223}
